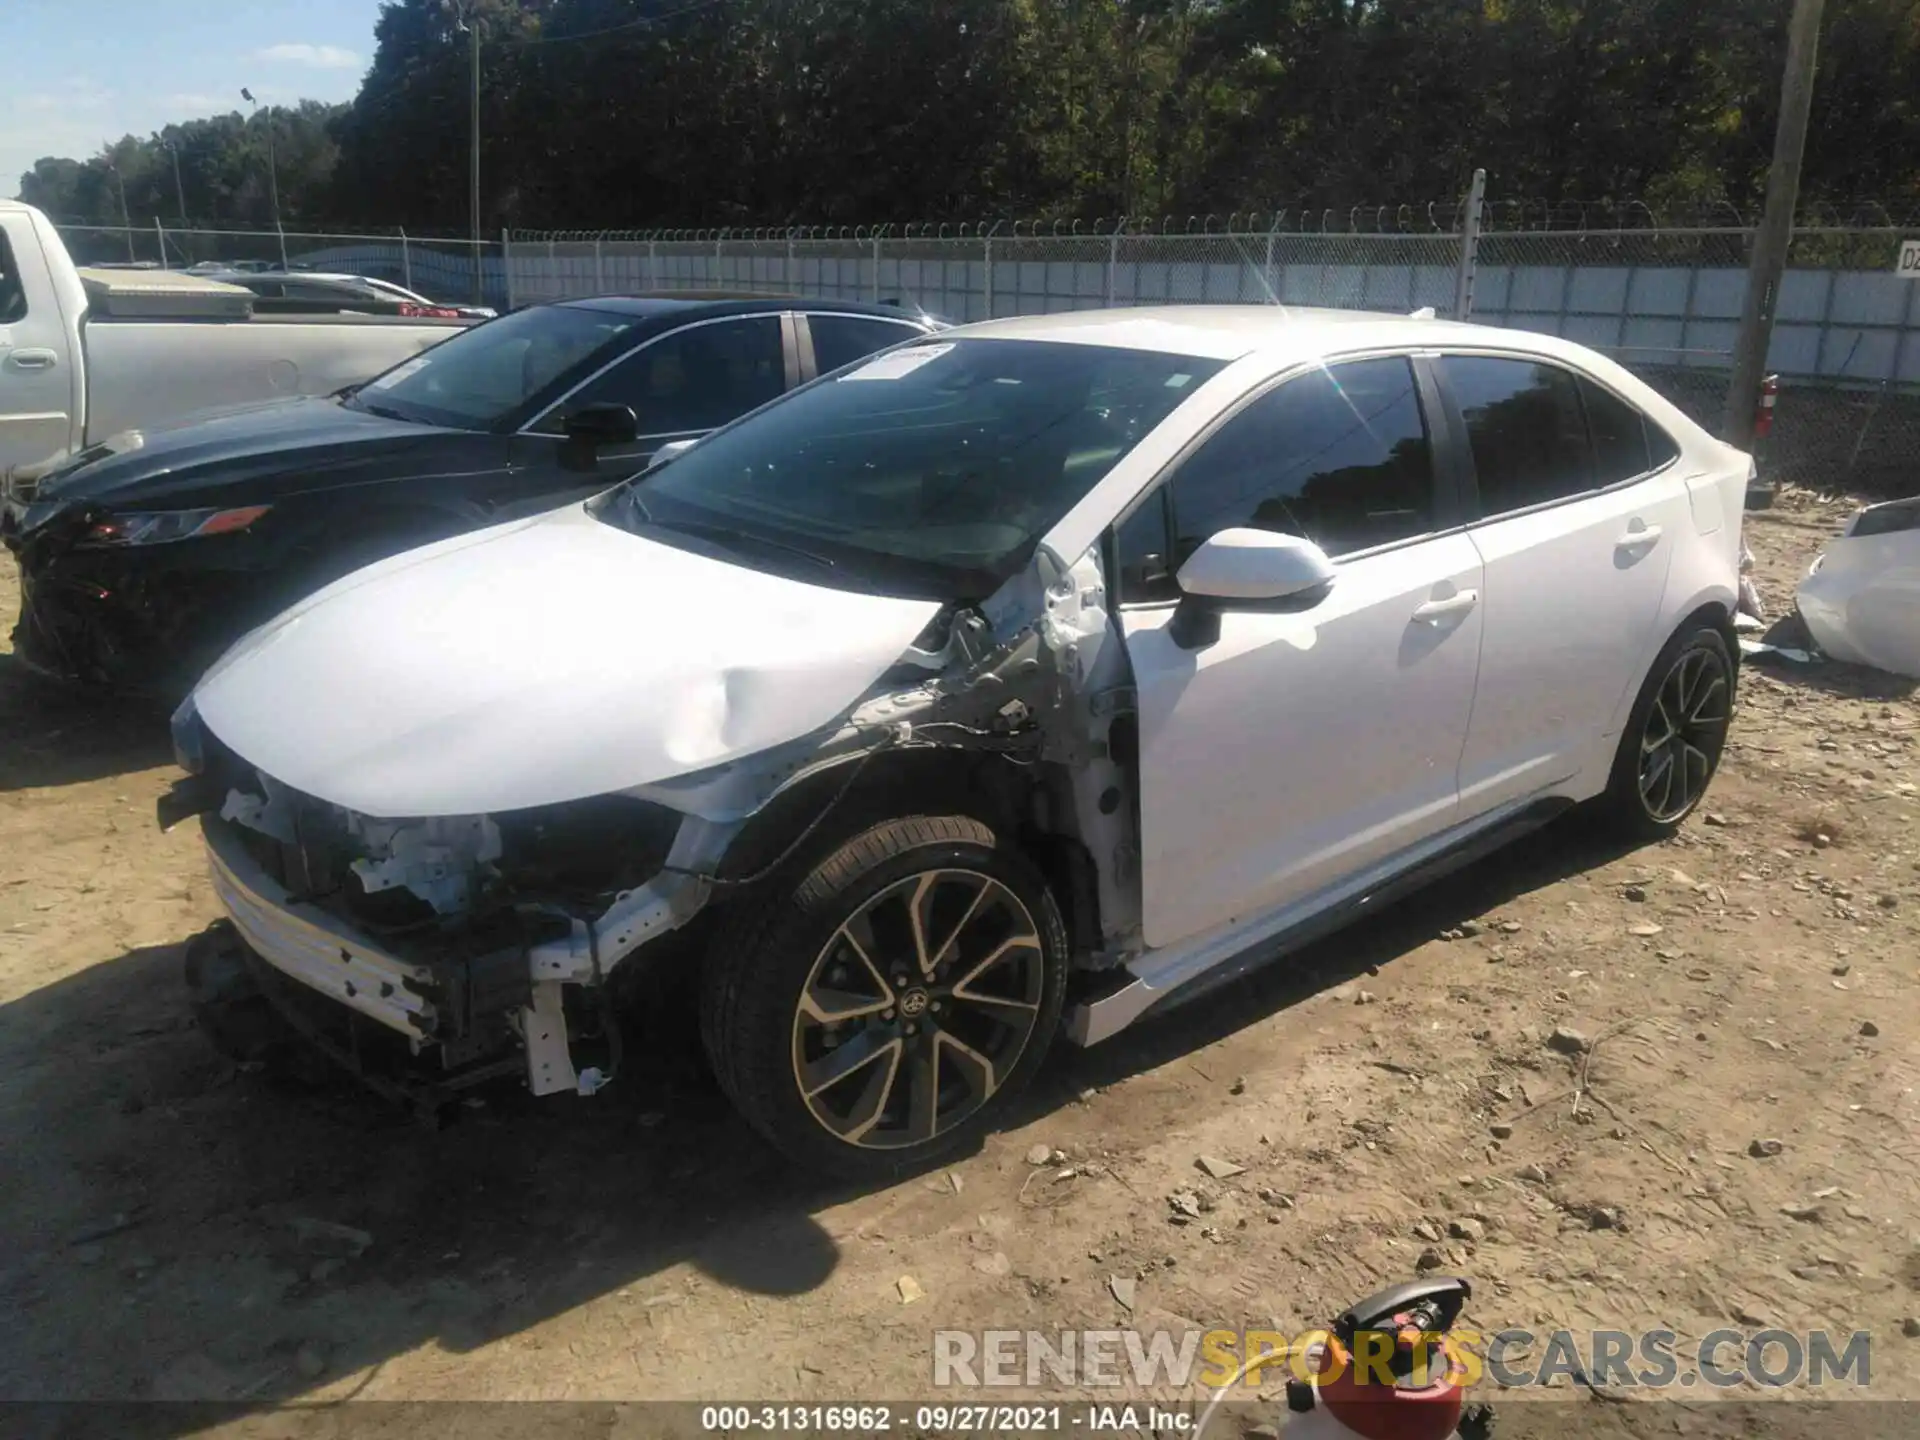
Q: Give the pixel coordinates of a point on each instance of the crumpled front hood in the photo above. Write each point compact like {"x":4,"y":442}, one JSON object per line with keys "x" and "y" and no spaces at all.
{"x":540,"y":662}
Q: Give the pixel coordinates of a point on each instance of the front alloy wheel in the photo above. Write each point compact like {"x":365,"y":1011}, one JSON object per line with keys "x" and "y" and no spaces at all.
{"x":917,"y":1009}
{"x":879,"y":1012}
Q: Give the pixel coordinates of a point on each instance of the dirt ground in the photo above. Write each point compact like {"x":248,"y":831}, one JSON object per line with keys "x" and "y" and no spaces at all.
{"x":1754,"y":979}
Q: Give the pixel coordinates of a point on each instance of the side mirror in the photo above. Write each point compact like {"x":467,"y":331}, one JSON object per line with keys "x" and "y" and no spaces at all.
{"x":604,"y":424}
{"x":672,"y":450}
{"x":1247,"y":569}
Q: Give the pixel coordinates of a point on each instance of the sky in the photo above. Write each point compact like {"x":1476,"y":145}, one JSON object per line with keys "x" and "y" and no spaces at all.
{"x":82,"y":72}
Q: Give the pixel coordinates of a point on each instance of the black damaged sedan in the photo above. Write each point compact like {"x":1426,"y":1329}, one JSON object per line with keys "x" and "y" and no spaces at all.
{"x":146,"y":556}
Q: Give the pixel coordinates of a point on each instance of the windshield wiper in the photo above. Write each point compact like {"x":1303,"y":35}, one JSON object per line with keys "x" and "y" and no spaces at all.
{"x":383,"y":411}
{"x":721,"y":536}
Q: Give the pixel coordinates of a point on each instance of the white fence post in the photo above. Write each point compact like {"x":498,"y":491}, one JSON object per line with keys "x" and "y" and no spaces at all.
{"x":653,"y":263}
{"x":875,"y":296}
{"x":160,"y":235}
{"x":1113,"y":264}
{"x":406,"y":260}
{"x":599,"y":275}
{"x":989,"y":258}
{"x":283,"y":242}
{"x":1469,"y":248}
{"x":506,"y":263}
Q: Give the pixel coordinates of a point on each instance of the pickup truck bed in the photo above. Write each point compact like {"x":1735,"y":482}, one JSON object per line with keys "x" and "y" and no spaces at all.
{"x":148,"y":372}
{"x":85,"y":355}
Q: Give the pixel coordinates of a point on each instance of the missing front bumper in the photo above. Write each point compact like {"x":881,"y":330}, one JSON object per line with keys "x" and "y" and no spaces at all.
{"x":309,"y":946}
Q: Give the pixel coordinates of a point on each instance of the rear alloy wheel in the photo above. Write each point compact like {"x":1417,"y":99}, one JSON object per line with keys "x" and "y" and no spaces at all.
{"x":878,"y":1014}
{"x":1675,"y":736}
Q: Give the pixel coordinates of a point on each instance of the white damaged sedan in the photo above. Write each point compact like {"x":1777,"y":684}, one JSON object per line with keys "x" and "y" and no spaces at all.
{"x":1010,"y":682}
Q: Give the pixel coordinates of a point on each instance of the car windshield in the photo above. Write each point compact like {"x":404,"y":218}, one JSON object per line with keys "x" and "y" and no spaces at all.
{"x":930,"y":471}
{"x":481,"y":377}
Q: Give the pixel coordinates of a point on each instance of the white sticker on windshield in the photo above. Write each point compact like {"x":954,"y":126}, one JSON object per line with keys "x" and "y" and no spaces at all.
{"x":398,"y":373}
{"x":898,"y":363}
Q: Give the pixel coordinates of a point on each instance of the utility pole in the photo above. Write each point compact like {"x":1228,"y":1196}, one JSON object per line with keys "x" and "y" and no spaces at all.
{"x":1775,"y":235}
{"x":466,"y":17}
{"x":473,"y":184}
{"x":179,"y":190}
{"x":273,"y":178}
{"x":126,"y":219}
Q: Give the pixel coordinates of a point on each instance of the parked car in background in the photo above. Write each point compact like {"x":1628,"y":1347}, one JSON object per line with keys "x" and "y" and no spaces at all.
{"x":282,"y":292}
{"x":88,"y":355}
{"x":148,"y":555}
{"x":1054,"y":666}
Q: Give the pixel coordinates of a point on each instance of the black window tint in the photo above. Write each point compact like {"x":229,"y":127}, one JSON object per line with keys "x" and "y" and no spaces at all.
{"x":693,"y":379}
{"x":1525,"y":425}
{"x":1619,"y":436}
{"x":1142,"y":547}
{"x":1339,"y":456}
{"x":1661,"y":449}
{"x":13,"y":294}
{"x":842,"y":339}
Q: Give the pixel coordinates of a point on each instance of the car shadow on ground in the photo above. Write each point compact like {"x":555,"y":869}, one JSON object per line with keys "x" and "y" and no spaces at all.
{"x":56,"y":736}
{"x":157,"y":1228}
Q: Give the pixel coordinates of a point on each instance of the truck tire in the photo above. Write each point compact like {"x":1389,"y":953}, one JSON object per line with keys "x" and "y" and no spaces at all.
{"x":881,"y":1010}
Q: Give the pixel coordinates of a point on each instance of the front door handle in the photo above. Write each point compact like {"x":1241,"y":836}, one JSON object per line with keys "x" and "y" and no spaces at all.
{"x":1434,"y":611}
{"x":32,"y":359}
{"x":1638,"y":537}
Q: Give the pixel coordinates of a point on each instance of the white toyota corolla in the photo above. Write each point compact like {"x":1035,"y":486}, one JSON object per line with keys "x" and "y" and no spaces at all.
{"x":1013,"y":681}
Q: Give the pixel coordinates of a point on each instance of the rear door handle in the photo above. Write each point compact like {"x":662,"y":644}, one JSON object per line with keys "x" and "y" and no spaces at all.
{"x":1638,"y":537}
{"x":1435,"y":611}
{"x":32,"y":359}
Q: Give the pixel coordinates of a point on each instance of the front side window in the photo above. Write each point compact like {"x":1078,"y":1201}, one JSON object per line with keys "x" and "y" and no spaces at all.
{"x":1526,"y":428}
{"x":842,"y":339}
{"x":932,"y":470}
{"x":692,"y":379}
{"x":481,"y":378}
{"x":1338,"y":456}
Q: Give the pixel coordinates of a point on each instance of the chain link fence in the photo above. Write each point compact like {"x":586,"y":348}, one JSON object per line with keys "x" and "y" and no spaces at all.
{"x":441,"y":268}
{"x":1664,"y":300}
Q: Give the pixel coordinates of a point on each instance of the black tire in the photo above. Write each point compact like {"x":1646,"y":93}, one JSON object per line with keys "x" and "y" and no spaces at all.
{"x":1696,"y":670}
{"x":789,"y":946}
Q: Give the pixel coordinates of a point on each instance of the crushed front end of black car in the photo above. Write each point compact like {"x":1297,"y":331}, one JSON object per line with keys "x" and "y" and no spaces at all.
{"x":135,"y":619}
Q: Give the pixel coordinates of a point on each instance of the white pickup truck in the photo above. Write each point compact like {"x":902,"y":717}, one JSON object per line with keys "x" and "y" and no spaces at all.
{"x":85,"y":354}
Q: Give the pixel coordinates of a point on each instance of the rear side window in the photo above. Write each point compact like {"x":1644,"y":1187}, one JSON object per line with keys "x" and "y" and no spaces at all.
{"x":13,"y":293}
{"x":1339,"y":456}
{"x":1526,"y":428}
{"x":1619,"y":435}
{"x":842,"y":339}
{"x":1662,"y":449}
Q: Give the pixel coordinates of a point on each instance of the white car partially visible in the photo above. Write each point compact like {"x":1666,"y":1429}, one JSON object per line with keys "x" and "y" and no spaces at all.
{"x":1024,"y":678}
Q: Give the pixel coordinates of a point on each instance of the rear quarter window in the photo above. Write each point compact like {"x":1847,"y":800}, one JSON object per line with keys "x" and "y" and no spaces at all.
{"x":13,"y":290}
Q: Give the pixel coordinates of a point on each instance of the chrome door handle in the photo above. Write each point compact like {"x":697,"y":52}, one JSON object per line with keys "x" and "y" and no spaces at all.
{"x":1638,"y":539}
{"x":1437,"y":610}
{"x":32,"y":359}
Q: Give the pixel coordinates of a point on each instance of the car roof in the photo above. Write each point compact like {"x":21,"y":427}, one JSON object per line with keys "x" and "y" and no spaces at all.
{"x":700,"y":304}
{"x":1224,"y":332}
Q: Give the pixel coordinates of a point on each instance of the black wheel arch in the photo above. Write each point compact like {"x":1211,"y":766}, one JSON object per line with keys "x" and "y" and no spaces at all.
{"x":945,"y":780}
